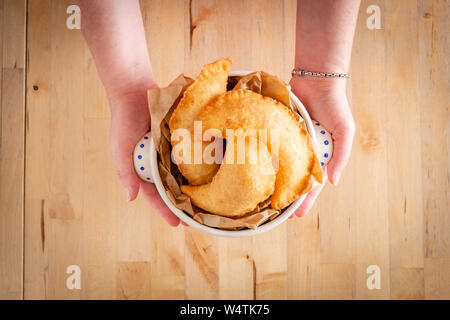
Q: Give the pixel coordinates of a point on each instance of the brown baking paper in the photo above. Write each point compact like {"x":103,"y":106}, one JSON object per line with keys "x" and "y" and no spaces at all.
{"x":162,"y":102}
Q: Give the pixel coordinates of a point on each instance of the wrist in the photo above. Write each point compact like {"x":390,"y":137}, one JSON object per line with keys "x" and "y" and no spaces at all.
{"x":128,"y":88}
{"x":129,"y":92}
{"x":321,"y":62}
{"x":119,"y":100}
{"x":321,"y":65}
{"x":306,"y":85}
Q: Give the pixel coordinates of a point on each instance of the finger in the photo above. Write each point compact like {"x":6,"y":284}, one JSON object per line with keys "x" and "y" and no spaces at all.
{"x":123,"y":159}
{"x":342,"y":146}
{"x":309,"y":201}
{"x":151,"y":194}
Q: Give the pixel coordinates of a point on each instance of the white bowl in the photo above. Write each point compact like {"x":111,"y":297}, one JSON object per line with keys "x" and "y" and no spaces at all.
{"x":313,"y":129}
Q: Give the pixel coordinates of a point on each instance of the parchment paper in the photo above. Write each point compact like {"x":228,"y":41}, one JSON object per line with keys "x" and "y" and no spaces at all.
{"x":162,"y":102}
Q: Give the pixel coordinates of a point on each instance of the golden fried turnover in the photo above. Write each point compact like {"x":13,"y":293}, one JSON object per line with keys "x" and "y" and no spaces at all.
{"x":211,"y":82}
{"x":296,"y":159}
{"x":239,"y":186}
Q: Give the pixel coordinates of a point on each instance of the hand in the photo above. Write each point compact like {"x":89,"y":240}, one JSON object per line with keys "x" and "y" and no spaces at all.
{"x":326,"y":102}
{"x":130,"y":120}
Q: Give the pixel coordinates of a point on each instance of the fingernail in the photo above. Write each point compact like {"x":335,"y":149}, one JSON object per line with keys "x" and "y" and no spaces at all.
{"x":336,"y":177}
{"x":128,"y":192}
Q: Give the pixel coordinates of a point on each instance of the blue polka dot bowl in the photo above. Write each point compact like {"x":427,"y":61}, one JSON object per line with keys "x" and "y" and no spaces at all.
{"x":146,"y":166}
{"x":141,"y":158}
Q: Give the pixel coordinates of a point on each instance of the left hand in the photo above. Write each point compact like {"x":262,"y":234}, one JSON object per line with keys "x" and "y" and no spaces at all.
{"x":130,"y":120}
{"x":326,"y":101}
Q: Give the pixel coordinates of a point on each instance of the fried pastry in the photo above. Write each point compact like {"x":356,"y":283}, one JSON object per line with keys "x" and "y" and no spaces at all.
{"x":296,"y":159}
{"x":211,"y":82}
{"x":238,"y":187}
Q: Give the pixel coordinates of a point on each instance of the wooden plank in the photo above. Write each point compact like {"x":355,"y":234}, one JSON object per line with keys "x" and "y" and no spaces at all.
{"x":404,"y":171}
{"x":237,"y":269}
{"x":54,"y":179}
{"x":11,"y":183}
{"x":13,"y":34}
{"x":202,"y":265}
{"x":270,"y":259}
{"x":434,"y":96}
{"x":407,"y":283}
{"x":370,"y":204}
{"x":131,"y":284}
{"x":338,"y":281}
{"x":437,"y":279}
{"x":165,"y":28}
{"x":38,"y":159}
{"x":405,"y":201}
{"x":165,"y":32}
{"x":304,"y":267}
{"x":101,"y":231}
{"x":12,"y":133}
{"x":435,"y":87}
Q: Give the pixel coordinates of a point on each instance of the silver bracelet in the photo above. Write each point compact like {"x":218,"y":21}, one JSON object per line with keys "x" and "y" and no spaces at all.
{"x":296,"y":72}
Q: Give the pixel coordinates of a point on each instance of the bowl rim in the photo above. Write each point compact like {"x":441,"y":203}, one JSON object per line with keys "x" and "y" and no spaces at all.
{"x":231,"y":233}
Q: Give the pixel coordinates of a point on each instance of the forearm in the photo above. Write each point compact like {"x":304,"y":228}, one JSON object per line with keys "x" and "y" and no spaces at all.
{"x":325,"y":30}
{"x":115,"y":34}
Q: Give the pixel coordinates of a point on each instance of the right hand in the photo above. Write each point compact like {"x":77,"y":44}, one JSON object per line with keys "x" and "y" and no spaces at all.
{"x":130,"y":120}
{"x":326,"y":102}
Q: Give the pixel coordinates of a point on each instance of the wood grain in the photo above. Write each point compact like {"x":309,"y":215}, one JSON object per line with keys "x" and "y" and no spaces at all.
{"x":370,"y":155}
{"x":61,"y":203}
{"x":12,"y":143}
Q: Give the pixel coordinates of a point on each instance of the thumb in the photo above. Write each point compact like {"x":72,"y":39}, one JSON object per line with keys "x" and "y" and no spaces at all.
{"x":342,"y":146}
{"x":123,"y":159}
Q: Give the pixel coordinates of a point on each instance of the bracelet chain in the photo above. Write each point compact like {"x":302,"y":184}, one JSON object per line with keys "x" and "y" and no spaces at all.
{"x":319,"y":74}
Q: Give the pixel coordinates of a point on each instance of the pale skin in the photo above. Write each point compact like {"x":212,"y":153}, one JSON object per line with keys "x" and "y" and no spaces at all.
{"x":115,"y":34}
{"x":324,"y":37}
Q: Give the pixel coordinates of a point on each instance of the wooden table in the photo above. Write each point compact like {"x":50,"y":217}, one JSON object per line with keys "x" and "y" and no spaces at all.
{"x":62,"y":204}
